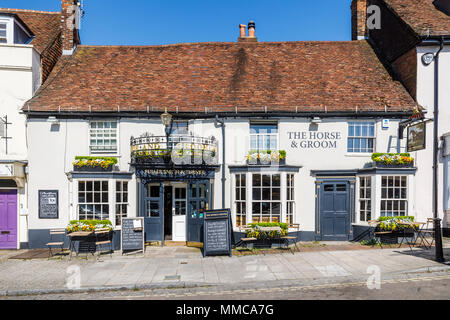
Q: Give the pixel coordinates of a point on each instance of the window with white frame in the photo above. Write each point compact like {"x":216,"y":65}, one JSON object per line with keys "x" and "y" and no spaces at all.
{"x":263,"y":137}
{"x":3,"y":32}
{"x":365,"y":198}
{"x":290,"y":201}
{"x":103,"y":136}
{"x":266,"y":200}
{"x":361,"y":137}
{"x":93,"y":202}
{"x":179,"y":128}
{"x":240,"y":201}
{"x":394,"y":196}
{"x":121,"y":201}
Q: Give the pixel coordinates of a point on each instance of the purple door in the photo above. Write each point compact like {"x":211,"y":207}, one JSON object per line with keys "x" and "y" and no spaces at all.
{"x":8,"y":219}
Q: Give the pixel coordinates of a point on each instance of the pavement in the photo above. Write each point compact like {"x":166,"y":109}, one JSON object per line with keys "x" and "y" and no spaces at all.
{"x":182,"y":267}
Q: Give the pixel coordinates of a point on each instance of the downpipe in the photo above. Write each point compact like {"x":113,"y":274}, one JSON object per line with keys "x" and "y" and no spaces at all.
{"x":222,"y":124}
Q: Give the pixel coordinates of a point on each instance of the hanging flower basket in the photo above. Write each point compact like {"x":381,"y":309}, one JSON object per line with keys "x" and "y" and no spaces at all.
{"x":392,"y":160}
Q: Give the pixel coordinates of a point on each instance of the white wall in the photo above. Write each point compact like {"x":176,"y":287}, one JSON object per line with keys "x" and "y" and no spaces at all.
{"x":425,"y":97}
{"x":52,"y":151}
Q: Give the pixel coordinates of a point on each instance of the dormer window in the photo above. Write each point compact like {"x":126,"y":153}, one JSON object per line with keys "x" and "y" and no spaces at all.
{"x":13,"y":30}
{"x":3,"y":32}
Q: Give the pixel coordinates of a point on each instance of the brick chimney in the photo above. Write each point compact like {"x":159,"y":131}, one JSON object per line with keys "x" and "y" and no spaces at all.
{"x":70,"y":19}
{"x":251,"y":33}
{"x":359,"y":20}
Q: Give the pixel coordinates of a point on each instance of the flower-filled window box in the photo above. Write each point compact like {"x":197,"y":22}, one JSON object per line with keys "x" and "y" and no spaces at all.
{"x":266,"y":157}
{"x":88,"y":225}
{"x":392,"y":160}
{"x":94,"y":164}
{"x":400,"y":226}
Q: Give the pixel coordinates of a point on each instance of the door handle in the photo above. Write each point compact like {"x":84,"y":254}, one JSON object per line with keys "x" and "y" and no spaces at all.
{"x":6,"y":232}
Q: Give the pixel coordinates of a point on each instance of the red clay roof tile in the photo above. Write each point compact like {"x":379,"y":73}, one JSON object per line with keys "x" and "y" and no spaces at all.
{"x":220,"y":77}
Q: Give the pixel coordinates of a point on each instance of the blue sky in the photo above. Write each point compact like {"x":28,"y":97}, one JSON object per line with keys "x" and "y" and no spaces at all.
{"x":151,"y":22}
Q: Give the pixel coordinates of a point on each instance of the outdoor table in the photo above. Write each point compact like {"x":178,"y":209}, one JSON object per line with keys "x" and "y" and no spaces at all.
{"x":80,"y":236}
{"x":412,"y":227}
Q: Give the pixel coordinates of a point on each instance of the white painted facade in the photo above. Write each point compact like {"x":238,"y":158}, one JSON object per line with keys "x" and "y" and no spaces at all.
{"x":20,"y":77}
{"x":425,"y":97}
{"x":53,"y":148}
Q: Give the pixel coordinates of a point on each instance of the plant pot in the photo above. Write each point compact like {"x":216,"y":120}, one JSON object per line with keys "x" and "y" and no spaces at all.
{"x":92,"y":169}
{"x":258,"y":162}
{"x":384,"y":165}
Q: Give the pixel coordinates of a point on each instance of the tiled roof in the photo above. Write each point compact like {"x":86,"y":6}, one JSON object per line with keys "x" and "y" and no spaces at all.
{"x":44,"y":25}
{"x":422,"y":16}
{"x":222,"y":77}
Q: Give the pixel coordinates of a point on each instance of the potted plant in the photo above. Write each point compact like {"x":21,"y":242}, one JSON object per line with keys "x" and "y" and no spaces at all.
{"x":266,"y":157}
{"x":392,"y":160}
{"x":94,"y":164}
{"x":397,"y":229}
{"x":265,"y":238}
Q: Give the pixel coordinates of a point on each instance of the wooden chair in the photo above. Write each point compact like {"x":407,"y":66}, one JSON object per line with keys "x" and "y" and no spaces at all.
{"x":286,"y":239}
{"x":54,"y":243}
{"x":245,"y":241}
{"x":102,"y":238}
{"x":377,"y":234}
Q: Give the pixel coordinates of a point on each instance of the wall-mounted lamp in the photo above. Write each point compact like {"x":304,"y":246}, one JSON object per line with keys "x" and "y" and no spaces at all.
{"x":427,"y":58}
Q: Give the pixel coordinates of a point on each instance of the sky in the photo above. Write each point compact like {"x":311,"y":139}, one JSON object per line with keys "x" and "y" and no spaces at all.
{"x":153,"y":22}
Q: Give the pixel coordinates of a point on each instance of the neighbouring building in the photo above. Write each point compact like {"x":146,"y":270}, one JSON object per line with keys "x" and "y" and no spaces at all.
{"x":409,"y":43}
{"x":30,"y":45}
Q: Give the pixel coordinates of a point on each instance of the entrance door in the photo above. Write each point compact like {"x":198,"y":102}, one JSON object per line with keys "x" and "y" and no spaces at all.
{"x":179,"y":213}
{"x":335,"y":210}
{"x":198,"y":195}
{"x":168,"y":200}
{"x":8,"y":219}
{"x":153,"y":212}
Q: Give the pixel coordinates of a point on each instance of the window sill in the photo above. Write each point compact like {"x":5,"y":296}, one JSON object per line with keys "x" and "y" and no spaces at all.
{"x":359,"y":155}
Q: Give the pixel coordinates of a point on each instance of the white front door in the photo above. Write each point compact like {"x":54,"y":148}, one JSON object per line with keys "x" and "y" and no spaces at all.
{"x":179,"y":214}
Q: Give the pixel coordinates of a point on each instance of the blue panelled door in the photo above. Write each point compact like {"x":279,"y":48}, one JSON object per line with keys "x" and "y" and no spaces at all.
{"x":335,"y":210}
{"x":198,"y":202}
{"x":153,"y":212}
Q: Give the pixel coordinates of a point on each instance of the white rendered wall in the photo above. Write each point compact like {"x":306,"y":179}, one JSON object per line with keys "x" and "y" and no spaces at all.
{"x":53,"y":149}
{"x":425,"y":97}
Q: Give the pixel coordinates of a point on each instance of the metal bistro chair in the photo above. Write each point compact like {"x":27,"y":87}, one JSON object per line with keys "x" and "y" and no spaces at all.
{"x":286,"y":239}
{"x":56,"y":243}
{"x":102,"y":238}
{"x":425,"y":231}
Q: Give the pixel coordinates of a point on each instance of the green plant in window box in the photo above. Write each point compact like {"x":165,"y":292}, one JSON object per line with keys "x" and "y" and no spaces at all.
{"x":398,"y":159}
{"x":88,"y":225}
{"x":94,"y":162}
{"x":256,"y":232}
{"x":394,"y":224}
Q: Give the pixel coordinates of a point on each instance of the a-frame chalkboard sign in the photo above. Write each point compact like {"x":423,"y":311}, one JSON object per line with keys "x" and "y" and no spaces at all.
{"x":217,"y":233}
{"x":132,"y":235}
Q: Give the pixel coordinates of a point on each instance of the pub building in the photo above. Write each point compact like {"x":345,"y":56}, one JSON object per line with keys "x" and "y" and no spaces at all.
{"x":275,"y":131}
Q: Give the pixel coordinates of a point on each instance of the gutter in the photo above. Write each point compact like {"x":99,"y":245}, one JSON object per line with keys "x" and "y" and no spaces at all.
{"x":196,"y":115}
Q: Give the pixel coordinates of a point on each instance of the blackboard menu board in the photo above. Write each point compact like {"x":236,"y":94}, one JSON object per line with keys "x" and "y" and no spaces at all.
{"x":217,"y":232}
{"x":132,"y":234}
{"x":48,"y":204}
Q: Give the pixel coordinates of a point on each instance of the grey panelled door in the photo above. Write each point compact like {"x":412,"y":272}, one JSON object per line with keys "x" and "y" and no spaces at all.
{"x":198,"y":195}
{"x":153,"y":212}
{"x":335,"y":210}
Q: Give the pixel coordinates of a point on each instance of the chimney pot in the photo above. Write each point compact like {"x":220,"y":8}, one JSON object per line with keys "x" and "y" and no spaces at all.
{"x":242,"y":28}
{"x":251,"y":29}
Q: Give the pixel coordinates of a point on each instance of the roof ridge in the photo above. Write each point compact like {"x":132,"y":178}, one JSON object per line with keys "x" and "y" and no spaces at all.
{"x":220,"y":43}
{"x":30,"y":11}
